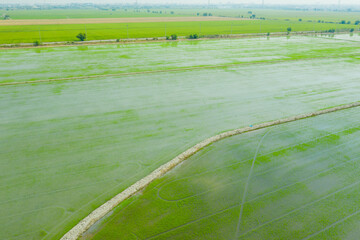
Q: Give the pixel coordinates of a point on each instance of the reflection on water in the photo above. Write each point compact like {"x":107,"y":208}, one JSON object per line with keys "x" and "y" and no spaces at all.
{"x":194,"y":42}
{"x":170,"y":44}
{"x":83,"y":48}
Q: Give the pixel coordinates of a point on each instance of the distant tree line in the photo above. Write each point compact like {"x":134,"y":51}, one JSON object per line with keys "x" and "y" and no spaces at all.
{"x":172,"y":37}
{"x":154,"y":11}
{"x":332,"y":30}
{"x":345,"y":22}
{"x":194,"y":36}
{"x":204,"y":14}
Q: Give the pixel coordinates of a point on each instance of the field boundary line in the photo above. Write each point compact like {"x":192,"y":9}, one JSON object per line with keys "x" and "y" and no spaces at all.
{"x":174,"y":70}
{"x":104,"y":209}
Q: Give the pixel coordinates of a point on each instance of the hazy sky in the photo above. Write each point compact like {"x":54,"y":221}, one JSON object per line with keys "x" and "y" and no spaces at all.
{"x":328,"y":2}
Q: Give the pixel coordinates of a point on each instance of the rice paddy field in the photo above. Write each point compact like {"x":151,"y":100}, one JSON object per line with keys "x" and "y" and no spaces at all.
{"x":68,"y":146}
{"x":52,"y":63}
{"x":304,"y":185}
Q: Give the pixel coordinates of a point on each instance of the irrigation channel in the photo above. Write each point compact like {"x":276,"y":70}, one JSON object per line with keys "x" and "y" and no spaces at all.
{"x":101,"y":211}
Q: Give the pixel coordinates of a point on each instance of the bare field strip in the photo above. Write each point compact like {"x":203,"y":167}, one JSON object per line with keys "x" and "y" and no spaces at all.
{"x":104,"y":209}
{"x":114,"y":20}
{"x":171,"y":70}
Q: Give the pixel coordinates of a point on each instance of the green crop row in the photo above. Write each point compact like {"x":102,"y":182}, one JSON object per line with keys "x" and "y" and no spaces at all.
{"x":60,"y":33}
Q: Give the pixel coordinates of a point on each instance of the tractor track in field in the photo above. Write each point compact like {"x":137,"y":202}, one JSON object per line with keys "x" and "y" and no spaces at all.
{"x":332,"y":225}
{"x":265,"y":223}
{"x":257,"y":175}
{"x":159,"y":189}
{"x":347,"y":187}
{"x":175,"y":70}
{"x":247,"y":184}
{"x":104,"y":209}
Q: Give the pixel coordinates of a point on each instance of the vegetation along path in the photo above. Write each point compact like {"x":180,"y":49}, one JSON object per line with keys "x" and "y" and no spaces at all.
{"x":100,"y":212}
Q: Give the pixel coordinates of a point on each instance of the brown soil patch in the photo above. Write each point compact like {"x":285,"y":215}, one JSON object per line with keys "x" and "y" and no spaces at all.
{"x":113,"y":20}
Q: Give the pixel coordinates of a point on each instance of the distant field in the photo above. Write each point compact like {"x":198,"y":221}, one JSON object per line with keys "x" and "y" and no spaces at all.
{"x":91,"y":13}
{"x":304,"y":185}
{"x":66,"y":32}
{"x":275,"y":21}
{"x":69,"y":146}
{"x":130,"y":12}
{"x":114,"y":20}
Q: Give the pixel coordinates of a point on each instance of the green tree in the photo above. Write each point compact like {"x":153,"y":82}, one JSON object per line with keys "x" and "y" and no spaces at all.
{"x":174,"y":37}
{"x":289,"y":29}
{"x":36,"y":43}
{"x":81,"y":36}
{"x":6,"y":17}
{"x":194,"y":36}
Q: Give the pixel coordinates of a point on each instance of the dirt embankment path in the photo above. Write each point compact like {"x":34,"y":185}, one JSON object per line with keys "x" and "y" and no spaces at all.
{"x":113,"y":20}
{"x":100,"y":212}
